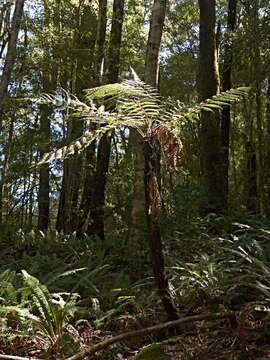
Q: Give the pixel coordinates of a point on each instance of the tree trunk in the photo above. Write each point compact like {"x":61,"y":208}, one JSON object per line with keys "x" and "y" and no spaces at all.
{"x":68,"y":208}
{"x":151,"y":72}
{"x":226,"y":85}
{"x":11,"y":54}
{"x":210,"y":125}
{"x":258,"y":98}
{"x":44,"y":172}
{"x":5,"y":183}
{"x":115,"y":42}
{"x":99,"y":46}
{"x":7,"y":71}
{"x":151,"y":76}
{"x":137,"y":225}
{"x":97,"y":226}
{"x":251,"y":186}
{"x":87,"y":195}
{"x":267,"y":160}
{"x":152,"y":164}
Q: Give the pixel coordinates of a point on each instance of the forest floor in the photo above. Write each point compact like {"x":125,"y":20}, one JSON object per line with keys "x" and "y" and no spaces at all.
{"x":228,"y":273}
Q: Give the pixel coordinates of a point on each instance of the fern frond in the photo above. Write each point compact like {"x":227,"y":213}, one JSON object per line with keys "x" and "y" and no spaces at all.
{"x":41,"y":298}
{"x":138,"y":105}
{"x":75,"y":146}
{"x":217,"y":102}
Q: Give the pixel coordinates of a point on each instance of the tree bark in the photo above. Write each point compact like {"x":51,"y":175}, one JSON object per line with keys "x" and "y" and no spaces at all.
{"x":208,"y":85}
{"x":7,"y":72}
{"x":226,"y":85}
{"x":100,"y":42}
{"x":151,"y":72}
{"x":11,"y":54}
{"x":44,"y":172}
{"x":97,"y":226}
{"x":87,"y":195}
{"x":267,"y":160}
{"x":151,"y":76}
{"x":115,"y":42}
{"x":68,"y":208}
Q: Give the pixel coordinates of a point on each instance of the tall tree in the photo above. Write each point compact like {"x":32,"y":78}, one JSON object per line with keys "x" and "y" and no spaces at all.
{"x":87,"y":195}
{"x":7,"y":71}
{"x":44,"y":172}
{"x":208,"y":85}
{"x":226,"y":85}
{"x":267,"y":160}
{"x":68,"y":210}
{"x":44,"y":131}
{"x":11,"y":54}
{"x":97,"y":226}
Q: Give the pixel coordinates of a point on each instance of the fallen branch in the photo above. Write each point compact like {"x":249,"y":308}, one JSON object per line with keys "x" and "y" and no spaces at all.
{"x":13,"y":357}
{"x":128,"y":335}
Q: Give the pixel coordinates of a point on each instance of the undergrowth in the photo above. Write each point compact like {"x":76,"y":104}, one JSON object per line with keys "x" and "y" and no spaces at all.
{"x":56,"y":290}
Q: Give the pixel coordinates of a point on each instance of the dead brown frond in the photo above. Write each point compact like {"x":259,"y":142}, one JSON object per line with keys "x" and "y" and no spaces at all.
{"x":171,"y":145}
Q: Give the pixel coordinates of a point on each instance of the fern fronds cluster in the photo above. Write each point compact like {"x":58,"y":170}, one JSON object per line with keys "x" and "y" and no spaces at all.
{"x":136,"y":105}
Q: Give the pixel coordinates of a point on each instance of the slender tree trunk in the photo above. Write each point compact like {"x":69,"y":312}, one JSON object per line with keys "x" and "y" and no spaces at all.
{"x":210,"y":122}
{"x":97,"y":226}
{"x":4,"y":26}
{"x":7,"y":72}
{"x":251,"y":188}
{"x":151,"y":76}
{"x":5,"y":171}
{"x":151,"y":72}
{"x":44,"y":172}
{"x":137,"y":226}
{"x":87,"y":195}
{"x":267,"y":160}
{"x":100,"y":42}
{"x":68,"y":208}
{"x":115,"y":42}
{"x":11,"y":54}
{"x":226,"y":85}
{"x":258,"y":78}
{"x":152,"y":164}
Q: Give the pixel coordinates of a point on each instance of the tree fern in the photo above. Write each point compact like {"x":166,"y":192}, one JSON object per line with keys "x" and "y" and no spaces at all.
{"x":138,"y":106}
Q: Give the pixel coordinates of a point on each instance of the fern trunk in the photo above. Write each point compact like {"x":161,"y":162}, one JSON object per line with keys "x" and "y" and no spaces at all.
{"x":152,"y":164}
{"x":153,"y":213}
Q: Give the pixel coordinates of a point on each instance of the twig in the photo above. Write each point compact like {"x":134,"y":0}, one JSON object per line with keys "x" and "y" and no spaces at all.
{"x":12,"y":357}
{"x":128,"y":335}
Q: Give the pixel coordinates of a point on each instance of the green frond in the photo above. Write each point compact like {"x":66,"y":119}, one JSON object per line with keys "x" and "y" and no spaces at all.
{"x":110,"y":90}
{"x":217,"y":102}
{"x":138,"y":105}
{"x":75,"y":146}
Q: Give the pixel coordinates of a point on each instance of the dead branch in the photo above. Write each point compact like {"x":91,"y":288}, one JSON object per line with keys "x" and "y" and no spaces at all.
{"x":156,"y":328}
